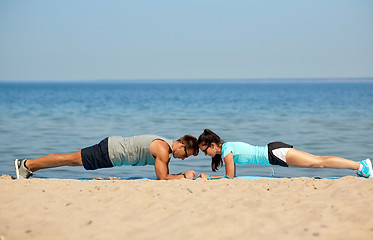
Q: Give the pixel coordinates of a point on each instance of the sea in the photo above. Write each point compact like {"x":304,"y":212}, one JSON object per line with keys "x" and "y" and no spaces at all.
{"x":333,"y":118}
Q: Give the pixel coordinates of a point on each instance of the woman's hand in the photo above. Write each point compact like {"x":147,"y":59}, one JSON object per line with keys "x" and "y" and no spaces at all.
{"x":203,"y":176}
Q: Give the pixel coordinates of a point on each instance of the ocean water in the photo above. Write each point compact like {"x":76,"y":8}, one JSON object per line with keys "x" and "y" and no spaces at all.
{"x":323,"y":118}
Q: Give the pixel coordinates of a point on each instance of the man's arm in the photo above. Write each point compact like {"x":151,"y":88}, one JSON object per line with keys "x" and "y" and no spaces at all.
{"x":160,"y":150}
{"x":161,"y":170}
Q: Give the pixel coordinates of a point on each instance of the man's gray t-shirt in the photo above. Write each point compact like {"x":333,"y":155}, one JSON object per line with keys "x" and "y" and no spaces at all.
{"x":133,"y":151}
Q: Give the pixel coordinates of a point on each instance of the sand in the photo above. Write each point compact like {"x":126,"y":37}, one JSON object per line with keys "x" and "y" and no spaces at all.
{"x":297,"y":208}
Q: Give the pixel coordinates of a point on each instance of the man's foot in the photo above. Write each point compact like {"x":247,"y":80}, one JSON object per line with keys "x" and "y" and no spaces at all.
{"x":366,"y":171}
{"x":21,"y":170}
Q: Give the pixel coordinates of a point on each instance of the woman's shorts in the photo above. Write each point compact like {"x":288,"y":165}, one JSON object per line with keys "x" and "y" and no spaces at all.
{"x":96,"y":156}
{"x":277,"y":153}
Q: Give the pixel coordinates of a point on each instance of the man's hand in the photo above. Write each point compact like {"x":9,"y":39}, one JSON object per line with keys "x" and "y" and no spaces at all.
{"x":190,"y":174}
{"x":203,"y":176}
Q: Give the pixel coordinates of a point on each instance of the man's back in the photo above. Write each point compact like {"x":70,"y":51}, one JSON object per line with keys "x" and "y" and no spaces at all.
{"x":134,"y":150}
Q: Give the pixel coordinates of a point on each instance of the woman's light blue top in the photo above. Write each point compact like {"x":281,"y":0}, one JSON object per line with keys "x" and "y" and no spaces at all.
{"x":245,"y":153}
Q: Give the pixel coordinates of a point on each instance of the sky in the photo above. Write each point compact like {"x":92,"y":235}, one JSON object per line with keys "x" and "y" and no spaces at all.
{"x":76,"y":40}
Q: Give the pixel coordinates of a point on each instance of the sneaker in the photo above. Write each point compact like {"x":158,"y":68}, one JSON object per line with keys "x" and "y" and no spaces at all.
{"x":21,"y":170}
{"x":367,"y":171}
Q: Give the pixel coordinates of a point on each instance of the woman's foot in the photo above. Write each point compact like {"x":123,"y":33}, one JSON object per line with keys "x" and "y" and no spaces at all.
{"x":366,"y":170}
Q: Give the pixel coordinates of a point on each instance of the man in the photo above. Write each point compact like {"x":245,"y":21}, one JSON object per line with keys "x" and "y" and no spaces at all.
{"x":116,"y":151}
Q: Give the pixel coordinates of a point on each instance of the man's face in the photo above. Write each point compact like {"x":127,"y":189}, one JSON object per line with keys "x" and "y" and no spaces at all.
{"x":181,"y":152}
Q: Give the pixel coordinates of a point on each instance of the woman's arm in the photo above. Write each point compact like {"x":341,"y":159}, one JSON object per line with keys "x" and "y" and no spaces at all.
{"x":230,"y":167}
{"x":209,"y":177}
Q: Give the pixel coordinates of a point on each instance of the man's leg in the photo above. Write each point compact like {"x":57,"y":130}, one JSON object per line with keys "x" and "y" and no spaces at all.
{"x":55,"y":160}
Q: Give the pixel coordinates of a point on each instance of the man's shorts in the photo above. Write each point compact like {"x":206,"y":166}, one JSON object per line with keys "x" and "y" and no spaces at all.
{"x":96,"y":156}
{"x":277,"y":153}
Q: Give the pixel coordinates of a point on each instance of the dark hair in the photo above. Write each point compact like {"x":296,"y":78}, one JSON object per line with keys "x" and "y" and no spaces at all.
{"x":190,"y":142}
{"x":207,"y":138}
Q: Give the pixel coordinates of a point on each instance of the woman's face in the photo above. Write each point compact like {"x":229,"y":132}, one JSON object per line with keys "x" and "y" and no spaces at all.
{"x":209,"y":150}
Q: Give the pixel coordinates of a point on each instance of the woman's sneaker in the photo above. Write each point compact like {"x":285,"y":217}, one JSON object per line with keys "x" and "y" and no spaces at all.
{"x":21,"y":170}
{"x":366,"y":171}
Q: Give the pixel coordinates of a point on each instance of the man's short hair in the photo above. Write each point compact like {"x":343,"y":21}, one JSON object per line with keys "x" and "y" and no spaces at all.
{"x":190,"y":142}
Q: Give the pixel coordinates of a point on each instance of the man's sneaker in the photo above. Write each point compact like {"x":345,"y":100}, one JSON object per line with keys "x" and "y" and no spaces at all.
{"x":367,"y":171}
{"x":21,"y":170}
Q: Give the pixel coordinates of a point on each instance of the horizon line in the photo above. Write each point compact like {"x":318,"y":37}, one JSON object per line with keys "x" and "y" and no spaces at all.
{"x":202,"y":80}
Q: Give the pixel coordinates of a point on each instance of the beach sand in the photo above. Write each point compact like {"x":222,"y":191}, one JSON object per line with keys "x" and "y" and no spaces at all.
{"x":297,"y":208}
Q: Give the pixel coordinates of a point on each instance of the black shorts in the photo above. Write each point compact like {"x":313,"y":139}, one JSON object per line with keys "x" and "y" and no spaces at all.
{"x":272,"y":158}
{"x":96,"y":156}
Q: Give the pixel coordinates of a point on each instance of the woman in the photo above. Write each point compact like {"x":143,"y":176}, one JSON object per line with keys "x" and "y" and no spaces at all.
{"x":276,"y":153}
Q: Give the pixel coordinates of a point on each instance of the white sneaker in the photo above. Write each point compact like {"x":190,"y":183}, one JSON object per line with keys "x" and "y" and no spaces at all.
{"x":21,"y":170}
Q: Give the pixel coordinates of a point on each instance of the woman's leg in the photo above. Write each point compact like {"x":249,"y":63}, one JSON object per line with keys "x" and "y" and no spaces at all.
{"x":297,"y":158}
{"x":55,"y":160}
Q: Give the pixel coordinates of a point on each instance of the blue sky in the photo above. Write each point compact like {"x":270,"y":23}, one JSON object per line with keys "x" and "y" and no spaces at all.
{"x":204,"y":39}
